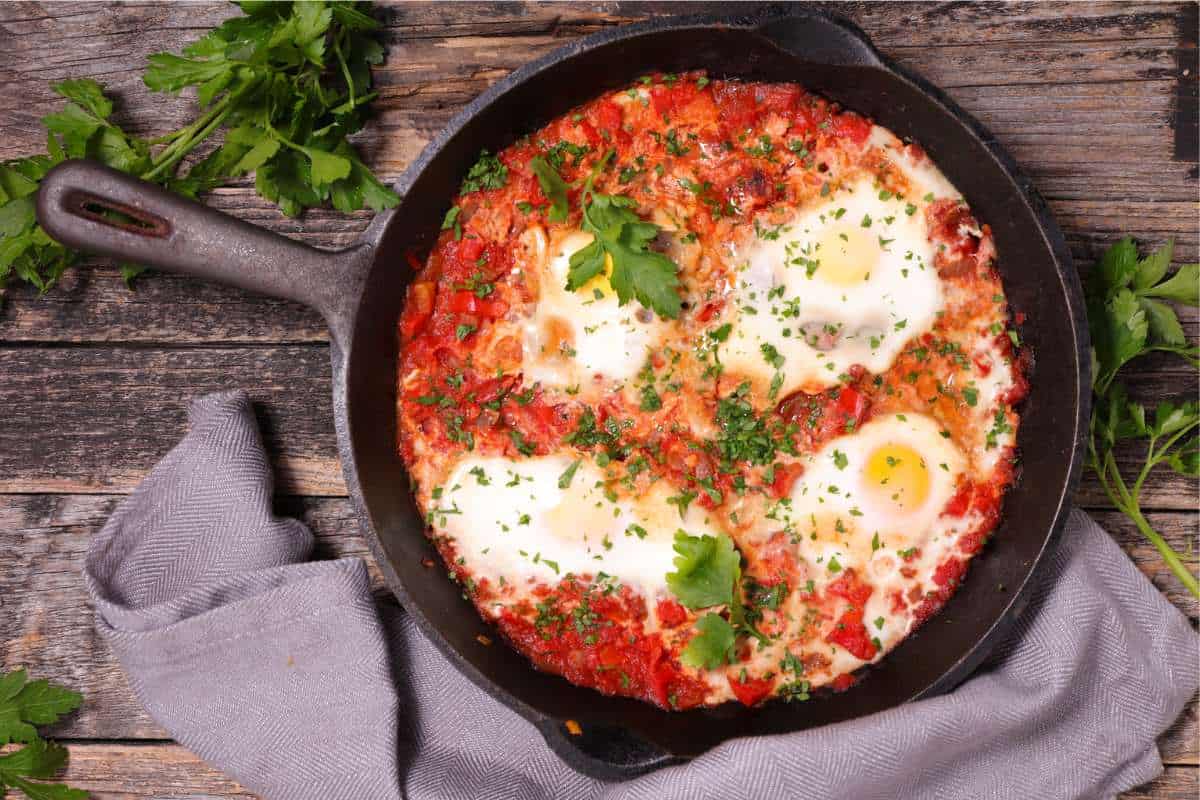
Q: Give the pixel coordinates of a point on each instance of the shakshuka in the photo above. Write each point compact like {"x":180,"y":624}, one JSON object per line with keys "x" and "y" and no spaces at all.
{"x":707,"y":391}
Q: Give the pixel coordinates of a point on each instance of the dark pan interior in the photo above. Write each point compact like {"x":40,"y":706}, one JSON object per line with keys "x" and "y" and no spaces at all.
{"x":1037,"y":278}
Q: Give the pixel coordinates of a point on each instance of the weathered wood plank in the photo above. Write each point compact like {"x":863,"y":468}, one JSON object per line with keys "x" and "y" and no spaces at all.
{"x":1176,"y":783}
{"x":112,"y":771}
{"x":122,"y":771}
{"x":46,"y":622}
{"x":96,"y":418}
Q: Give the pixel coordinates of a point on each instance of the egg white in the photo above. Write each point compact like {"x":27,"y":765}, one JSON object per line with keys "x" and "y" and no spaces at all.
{"x":577,"y":337}
{"x":849,"y":281}
{"x":513,"y":523}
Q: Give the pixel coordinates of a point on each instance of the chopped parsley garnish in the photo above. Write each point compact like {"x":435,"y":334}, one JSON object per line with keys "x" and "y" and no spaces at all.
{"x":487,"y":173}
{"x":682,"y":501}
{"x":564,"y":480}
{"x":524,"y":447}
{"x":450,"y":221}
{"x":744,"y":435}
{"x":650,"y":400}
{"x":673,"y":146}
{"x":553,"y":186}
{"x":720,"y":334}
{"x":1000,"y":427}
{"x":771,"y":355}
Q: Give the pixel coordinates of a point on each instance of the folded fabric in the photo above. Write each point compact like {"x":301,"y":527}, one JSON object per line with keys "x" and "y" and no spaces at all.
{"x":289,"y":677}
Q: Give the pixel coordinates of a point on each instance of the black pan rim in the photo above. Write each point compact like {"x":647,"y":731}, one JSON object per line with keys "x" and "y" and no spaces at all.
{"x":1052,"y":240}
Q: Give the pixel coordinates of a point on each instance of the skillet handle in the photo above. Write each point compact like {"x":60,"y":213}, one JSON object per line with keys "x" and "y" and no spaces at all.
{"x":88,"y":206}
{"x":606,"y":752}
{"x":819,"y":38}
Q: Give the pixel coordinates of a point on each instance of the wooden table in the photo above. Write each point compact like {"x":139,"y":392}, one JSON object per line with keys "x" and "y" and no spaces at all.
{"x":1098,"y":102}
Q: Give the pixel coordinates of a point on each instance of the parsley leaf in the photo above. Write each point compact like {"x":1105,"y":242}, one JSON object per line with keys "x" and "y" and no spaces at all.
{"x":622,"y":239}
{"x":707,"y":569}
{"x":1127,"y":318}
{"x":553,"y":186}
{"x":24,"y":704}
{"x":712,"y":646}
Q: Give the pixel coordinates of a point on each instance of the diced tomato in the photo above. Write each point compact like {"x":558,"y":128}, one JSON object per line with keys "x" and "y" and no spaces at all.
{"x":670,"y":99}
{"x":785,"y":476}
{"x":421,"y":295}
{"x":753,"y":690}
{"x":961,"y":501}
{"x":710,"y":310}
{"x":853,"y":127}
{"x":737,"y":106}
{"x":590,"y":133}
{"x":843,"y":682}
{"x":466,"y":302}
{"x":850,"y":587}
{"x":780,"y":98}
{"x":850,"y":634}
{"x":952,"y":227}
{"x":470,"y":250}
{"x":852,"y":404}
{"x":670,"y":613}
{"x":608,"y":116}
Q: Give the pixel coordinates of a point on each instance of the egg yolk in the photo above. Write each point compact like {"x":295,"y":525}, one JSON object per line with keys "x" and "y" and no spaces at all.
{"x":897,"y":474}
{"x":846,"y":254}
{"x":575,"y":242}
{"x":601,"y":280}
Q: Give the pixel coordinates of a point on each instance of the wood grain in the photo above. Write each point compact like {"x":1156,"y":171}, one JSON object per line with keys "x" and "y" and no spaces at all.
{"x":153,"y":770}
{"x":1092,"y":99}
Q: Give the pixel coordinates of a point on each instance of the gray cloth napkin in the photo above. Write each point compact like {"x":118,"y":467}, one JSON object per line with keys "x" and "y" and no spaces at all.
{"x":288,"y":677}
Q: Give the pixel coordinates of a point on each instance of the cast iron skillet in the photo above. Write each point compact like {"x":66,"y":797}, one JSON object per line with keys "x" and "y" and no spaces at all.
{"x":360,"y":292}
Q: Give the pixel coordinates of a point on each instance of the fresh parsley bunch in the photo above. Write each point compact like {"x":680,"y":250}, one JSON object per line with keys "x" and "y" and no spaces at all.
{"x":286,"y":82}
{"x":24,"y":704}
{"x":1127,"y":317}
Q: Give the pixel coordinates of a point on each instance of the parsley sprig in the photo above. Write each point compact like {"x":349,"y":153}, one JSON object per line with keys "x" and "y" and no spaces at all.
{"x":621,"y":243}
{"x":286,"y":82}
{"x":1128,"y":318}
{"x":707,"y":573}
{"x":23,"y":705}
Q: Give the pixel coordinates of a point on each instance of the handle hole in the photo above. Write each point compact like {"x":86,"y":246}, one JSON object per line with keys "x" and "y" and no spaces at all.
{"x":117,"y":215}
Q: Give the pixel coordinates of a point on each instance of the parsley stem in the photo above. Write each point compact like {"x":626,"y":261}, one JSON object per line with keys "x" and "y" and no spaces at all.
{"x":1127,"y":503}
{"x":337,"y":51}
{"x":198,"y":131}
{"x":1165,"y":550}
